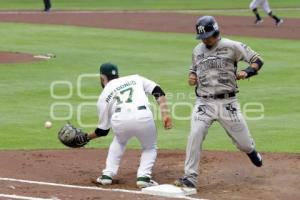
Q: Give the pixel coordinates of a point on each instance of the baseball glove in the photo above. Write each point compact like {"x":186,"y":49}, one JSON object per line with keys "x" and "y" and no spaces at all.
{"x":72,"y":137}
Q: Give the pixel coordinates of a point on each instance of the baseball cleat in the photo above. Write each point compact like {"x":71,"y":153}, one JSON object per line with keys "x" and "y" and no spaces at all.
{"x":258,"y":21}
{"x":104,"y":180}
{"x":47,"y":10}
{"x":255,"y":158}
{"x":143,"y":182}
{"x":184,"y":182}
{"x":278,"y":23}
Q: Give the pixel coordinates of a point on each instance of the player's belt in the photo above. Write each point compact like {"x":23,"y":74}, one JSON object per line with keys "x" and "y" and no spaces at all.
{"x":138,"y":108}
{"x":219,"y":96}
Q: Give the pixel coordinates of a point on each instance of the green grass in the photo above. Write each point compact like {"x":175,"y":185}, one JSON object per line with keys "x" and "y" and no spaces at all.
{"x":140,"y":4}
{"x":163,"y":57}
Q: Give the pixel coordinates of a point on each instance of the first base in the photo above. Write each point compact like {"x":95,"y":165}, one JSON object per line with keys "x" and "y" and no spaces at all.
{"x":169,"y":190}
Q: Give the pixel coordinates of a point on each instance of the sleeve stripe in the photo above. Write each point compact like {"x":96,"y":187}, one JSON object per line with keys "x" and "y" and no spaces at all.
{"x":254,"y":58}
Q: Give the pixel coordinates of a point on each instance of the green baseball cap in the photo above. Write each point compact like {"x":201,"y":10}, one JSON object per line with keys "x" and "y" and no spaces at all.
{"x":109,"y":70}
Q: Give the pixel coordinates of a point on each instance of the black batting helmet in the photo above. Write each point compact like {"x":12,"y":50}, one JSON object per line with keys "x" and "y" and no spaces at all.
{"x":206,"y":27}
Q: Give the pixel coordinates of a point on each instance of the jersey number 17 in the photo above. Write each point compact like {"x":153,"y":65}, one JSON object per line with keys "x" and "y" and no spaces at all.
{"x":128,"y":92}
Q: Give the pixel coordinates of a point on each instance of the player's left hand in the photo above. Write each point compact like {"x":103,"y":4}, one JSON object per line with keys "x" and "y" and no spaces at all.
{"x":167,"y":122}
{"x":241,"y":75}
{"x":72,"y":137}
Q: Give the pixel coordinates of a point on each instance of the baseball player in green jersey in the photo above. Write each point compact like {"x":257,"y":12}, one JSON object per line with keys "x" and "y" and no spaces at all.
{"x":214,"y":74}
{"x":123,"y":106}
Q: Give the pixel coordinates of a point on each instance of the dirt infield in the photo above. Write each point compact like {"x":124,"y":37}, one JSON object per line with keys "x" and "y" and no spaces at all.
{"x":223,"y":175}
{"x":160,"y":22}
{"x":15,"y":57}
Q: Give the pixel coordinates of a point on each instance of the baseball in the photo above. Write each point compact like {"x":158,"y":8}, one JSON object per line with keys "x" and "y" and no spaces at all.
{"x":48,"y":124}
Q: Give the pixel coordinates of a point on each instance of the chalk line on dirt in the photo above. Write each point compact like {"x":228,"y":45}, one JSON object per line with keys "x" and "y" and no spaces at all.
{"x":12,"y":196}
{"x":89,"y":187}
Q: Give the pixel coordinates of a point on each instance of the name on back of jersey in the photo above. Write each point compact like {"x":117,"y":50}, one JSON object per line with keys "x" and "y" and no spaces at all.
{"x":117,"y":89}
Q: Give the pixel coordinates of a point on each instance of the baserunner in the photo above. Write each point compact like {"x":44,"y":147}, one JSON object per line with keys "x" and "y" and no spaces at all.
{"x":214,"y":75}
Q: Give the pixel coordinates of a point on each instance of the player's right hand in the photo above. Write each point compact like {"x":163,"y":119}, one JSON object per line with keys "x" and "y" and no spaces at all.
{"x":192,"y":79}
{"x":241,"y":75}
{"x":167,"y":122}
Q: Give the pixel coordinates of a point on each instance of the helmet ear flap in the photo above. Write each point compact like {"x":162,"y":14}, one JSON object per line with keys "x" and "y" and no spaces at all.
{"x":216,"y":34}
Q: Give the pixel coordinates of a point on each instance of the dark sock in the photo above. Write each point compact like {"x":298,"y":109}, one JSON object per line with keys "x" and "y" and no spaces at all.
{"x":274,"y":16}
{"x":47,"y":4}
{"x":256,"y":14}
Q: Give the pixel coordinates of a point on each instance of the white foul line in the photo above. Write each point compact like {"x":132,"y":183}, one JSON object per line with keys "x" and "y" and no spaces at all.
{"x":21,"y":197}
{"x":87,"y":187}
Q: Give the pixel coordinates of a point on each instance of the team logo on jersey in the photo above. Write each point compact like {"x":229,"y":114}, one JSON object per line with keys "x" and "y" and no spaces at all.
{"x":201,"y":29}
{"x":222,"y":51}
{"x":212,"y":62}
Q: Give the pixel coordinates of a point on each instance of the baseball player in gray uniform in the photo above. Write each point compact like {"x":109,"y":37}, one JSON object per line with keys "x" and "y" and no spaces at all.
{"x":264,"y":4}
{"x":214,"y":73}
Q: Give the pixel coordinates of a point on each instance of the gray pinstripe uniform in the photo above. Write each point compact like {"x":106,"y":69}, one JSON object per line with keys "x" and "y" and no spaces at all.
{"x":216,"y":74}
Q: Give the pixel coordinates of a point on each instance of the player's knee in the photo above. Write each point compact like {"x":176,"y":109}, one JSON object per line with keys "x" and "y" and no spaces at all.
{"x":196,"y":134}
{"x":196,"y":137}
